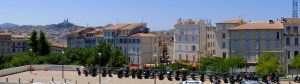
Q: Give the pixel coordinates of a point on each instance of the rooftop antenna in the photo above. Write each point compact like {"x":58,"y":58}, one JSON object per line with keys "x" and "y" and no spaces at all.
{"x":87,"y":24}
{"x":295,"y":8}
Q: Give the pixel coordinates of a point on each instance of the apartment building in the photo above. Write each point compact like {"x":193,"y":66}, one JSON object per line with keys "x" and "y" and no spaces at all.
{"x":192,"y":40}
{"x":84,"y":37}
{"x":134,"y":40}
{"x":11,"y":44}
{"x":222,"y":36}
{"x":252,"y":39}
{"x":291,"y":36}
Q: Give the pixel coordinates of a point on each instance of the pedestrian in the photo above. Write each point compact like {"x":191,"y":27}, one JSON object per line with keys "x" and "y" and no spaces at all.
{"x":78,"y":70}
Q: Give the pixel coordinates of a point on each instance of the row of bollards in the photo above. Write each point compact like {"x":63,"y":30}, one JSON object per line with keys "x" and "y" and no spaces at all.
{"x":32,"y":80}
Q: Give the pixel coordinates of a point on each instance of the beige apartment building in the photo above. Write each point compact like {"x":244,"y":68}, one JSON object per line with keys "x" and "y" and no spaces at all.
{"x":222,"y":36}
{"x":135,"y":40}
{"x":252,"y":39}
{"x":291,"y":37}
{"x":11,"y":44}
{"x":193,"y":39}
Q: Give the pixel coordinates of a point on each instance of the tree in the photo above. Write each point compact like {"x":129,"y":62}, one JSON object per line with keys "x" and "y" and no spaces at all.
{"x":268,"y":63}
{"x":296,"y":62}
{"x":44,"y":47}
{"x":33,"y":42}
{"x":213,"y":64}
{"x":117,"y":59}
{"x":235,"y":62}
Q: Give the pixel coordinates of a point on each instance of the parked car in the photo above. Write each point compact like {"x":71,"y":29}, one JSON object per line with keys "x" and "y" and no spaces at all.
{"x":191,"y":82}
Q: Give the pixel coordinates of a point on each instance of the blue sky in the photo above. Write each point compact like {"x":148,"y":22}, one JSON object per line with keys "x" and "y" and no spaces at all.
{"x":159,"y":14}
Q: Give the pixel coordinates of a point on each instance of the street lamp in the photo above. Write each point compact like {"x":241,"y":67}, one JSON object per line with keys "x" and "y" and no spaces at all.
{"x":155,"y":68}
{"x":99,"y":68}
{"x":62,"y":71}
{"x":30,"y":67}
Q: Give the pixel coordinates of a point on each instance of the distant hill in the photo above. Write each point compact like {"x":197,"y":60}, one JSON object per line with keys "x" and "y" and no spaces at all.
{"x":62,"y":25}
{"x":8,"y":25}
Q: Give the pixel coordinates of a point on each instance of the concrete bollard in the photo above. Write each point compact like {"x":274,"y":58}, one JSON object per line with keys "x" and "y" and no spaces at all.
{"x":19,"y":80}
{"x":6,"y":79}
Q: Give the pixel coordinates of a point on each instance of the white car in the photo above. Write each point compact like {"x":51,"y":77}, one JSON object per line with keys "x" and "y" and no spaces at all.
{"x":191,"y":82}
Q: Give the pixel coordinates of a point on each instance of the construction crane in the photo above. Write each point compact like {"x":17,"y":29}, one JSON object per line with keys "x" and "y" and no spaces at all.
{"x":295,"y":8}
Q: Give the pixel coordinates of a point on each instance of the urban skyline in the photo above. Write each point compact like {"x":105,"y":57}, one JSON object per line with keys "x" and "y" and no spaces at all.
{"x":160,"y":15}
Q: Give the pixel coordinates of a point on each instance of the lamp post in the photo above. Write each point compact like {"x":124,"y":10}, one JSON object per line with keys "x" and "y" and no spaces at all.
{"x":62,"y":71}
{"x":155,"y":68}
{"x":30,"y":67}
{"x":99,"y":68}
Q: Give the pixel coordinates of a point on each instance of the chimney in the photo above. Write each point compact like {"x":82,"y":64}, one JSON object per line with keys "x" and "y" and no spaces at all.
{"x":271,"y":22}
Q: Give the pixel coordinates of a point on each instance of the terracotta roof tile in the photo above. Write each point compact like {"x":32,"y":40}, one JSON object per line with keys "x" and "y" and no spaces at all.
{"x":233,"y":21}
{"x":249,"y":26}
{"x":144,"y":35}
{"x":291,"y":20}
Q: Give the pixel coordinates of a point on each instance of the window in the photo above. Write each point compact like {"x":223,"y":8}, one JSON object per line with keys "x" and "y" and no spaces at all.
{"x":296,"y":53}
{"x":223,"y":35}
{"x":179,"y":38}
{"x":296,"y":41}
{"x":193,"y":48}
{"x":268,"y":44}
{"x":287,"y":41}
{"x":223,"y":45}
{"x":180,"y":56}
{"x":113,"y":33}
{"x":257,"y":35}
{"x":235,"y":34}
{"x":186,"y":38}
{"x":235,"y":44}
{"x":246,"y":35}
{"x":193,"y":38}
{"x":288,"y":29}
{"x":138,"y":41}
{"x":223,"y":27}
{"x":288,"y":54}
{"x":246,"y":44}
{"x":295,"y":29}
{"x":278,"y":35}
{"x":257,"y":44}
{"x":186,"y":57}
{"x":277,"y":44}
{"x":224,"y":54}
{"x":194,"y":58}
{"x":268,"y":35}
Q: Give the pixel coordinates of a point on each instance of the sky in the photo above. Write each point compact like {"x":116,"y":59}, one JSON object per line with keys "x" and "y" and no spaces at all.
{"x":158,"y":14}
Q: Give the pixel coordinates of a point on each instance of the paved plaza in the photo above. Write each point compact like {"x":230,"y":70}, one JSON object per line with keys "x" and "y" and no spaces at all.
{"x":45,"y":77}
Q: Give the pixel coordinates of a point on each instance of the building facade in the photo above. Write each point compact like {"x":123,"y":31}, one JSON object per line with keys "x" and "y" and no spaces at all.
{"x":11,"y":44}
{"x":250,"y":40}
{"x":192,"y":40}
{"x":84,"y":38}
{"x":291,"y":37}
{"x":134,"y":40}
{"x":222,"y":36}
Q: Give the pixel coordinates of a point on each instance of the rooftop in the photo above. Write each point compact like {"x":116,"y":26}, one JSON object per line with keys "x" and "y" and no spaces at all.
{"x":144,"y":35}
{"x":259,"y":26}
{"x":233,"y":21}
{"x":291,"y":20}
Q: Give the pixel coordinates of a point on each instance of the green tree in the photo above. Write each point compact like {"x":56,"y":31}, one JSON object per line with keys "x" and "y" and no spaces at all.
{"x":179,"y":65}
{"x":33,"y":41}
{"x":235,"y":62}
{"x":44,"y":47}
{"x":296,"y":62}
{"x":268,"y":63}
{"x":117,"y":59}
{"x":213,"y":64}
